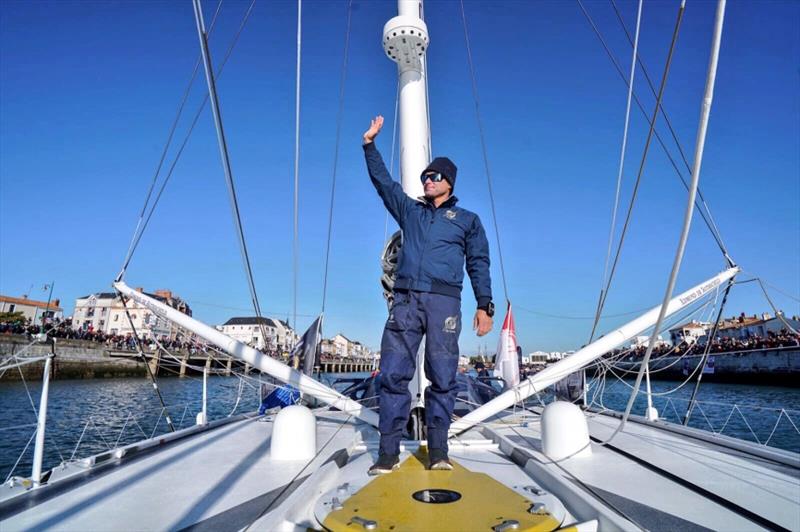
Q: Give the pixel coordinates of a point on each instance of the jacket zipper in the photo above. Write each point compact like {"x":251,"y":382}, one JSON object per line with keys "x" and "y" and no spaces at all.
{"x":425,"y":242}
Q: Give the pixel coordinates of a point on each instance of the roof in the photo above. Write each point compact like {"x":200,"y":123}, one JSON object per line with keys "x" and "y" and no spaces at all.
{"x":101,"y":295}
{"x":691,"y":325}
{"x":251,"y":320}
{"x":29,"y":302}
{"x":734,"y":323}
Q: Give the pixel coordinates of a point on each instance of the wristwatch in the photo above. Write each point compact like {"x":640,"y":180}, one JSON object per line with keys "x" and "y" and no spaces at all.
{"x":488,"y":308}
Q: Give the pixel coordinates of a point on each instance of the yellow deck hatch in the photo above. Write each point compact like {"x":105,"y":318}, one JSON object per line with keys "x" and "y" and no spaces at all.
{"x":413,"y":498}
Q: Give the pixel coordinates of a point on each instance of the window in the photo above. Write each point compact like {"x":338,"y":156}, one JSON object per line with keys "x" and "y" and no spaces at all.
{"x":116,"y":317}
{"x":90,"y":313}
{"x":11,"y":308}
{"x":102,"y":323}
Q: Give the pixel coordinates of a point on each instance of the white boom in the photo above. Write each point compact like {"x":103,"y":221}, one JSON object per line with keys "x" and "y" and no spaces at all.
{"x":255,"y":358}
{"x":588,"y":354}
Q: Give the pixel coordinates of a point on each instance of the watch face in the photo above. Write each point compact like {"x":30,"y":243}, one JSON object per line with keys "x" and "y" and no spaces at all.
{"x":490,"y":309}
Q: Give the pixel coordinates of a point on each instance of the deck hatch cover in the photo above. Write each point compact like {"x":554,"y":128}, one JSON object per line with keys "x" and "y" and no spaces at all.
{"x":436,"y":496}
{"x":483,"y":502}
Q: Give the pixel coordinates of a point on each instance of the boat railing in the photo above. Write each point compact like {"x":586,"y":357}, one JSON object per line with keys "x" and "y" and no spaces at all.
{"x":763,"y":425}
{"x":111,"y":430}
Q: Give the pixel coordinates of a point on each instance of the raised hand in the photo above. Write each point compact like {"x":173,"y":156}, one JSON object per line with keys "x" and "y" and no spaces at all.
{"x":375,"y":126}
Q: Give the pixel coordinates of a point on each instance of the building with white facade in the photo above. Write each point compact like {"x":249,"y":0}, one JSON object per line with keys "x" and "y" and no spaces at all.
{"x":341,"y":345}
{"x":779,"y":323}
{"x":644,"y":341}
{"x":31,"y":309}
{"x":542,"y":358}
{"x":268,"y":334}
{"x":104,"y":312}
{"x":689,"y":332}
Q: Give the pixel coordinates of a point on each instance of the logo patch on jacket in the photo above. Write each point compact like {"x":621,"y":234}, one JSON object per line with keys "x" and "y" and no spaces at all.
{"x":450,"y":324}
{"x":450,"y":214}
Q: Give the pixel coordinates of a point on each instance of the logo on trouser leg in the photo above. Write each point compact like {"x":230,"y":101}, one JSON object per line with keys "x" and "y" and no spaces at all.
{"x":450,"y":324}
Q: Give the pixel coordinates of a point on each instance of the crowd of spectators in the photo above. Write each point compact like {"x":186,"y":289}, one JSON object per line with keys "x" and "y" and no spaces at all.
{"x":772,"y":340}
{"x":63,"y":329}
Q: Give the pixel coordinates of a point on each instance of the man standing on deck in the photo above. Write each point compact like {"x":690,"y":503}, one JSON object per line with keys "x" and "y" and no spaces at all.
{"x":438,"y":238}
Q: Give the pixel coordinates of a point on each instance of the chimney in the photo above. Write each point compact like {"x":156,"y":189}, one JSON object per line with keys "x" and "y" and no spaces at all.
{"x":57,"y":302}
{"x":24,"y":296}
{"x":139,"y":289}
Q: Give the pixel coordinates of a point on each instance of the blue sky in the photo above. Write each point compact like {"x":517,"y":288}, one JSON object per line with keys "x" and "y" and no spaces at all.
{"x":88,"y":91}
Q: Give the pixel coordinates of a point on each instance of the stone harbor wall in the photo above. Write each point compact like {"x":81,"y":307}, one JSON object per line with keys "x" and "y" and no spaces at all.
{"x":779,"y":367}
{"x":75,"y":359}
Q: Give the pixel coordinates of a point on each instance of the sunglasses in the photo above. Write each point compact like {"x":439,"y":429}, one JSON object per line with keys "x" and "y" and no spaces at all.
{"x":433,"y":177}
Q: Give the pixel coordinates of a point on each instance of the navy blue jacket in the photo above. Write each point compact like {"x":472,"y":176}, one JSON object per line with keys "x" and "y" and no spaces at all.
{"x":436,"y":241}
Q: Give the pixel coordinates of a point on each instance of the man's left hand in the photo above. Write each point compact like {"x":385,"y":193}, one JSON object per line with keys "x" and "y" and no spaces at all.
{"x":482,"y":323}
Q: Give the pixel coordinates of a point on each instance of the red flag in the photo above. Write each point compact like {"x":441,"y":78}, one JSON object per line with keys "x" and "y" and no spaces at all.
{"x":506,"y":365}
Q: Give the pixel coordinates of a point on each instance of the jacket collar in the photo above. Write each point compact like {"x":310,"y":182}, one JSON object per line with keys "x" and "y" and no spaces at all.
{"x":452,"y":200}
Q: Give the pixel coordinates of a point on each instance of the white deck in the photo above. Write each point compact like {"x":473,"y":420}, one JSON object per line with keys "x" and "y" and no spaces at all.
{"x":225,"y":471}
{"x":224,"y":479}
{"x":674,"y":498}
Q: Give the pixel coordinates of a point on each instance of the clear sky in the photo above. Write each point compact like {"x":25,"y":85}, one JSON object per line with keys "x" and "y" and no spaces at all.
{"x":88,"y":90}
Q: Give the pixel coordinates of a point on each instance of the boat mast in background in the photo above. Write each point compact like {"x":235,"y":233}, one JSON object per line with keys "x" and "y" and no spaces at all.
{"x":405,"y":40}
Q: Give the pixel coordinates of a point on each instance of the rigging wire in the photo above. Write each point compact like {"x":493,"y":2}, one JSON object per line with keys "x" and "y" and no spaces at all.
{"x":483,"y":149}
{"x":226,"y":163}
{"x":787,"y":294}
{"x":712,"y":226}
{"x":391,"y":159}
{"x":604,"y":293}
{"x":706,"y":351}
{"x":778,"y":313}
{"x":198,"y":113}
{"x":622,"y":153}
{"x":166,"y":148}
{"x":563,"y":317}
{"x":295,"y":221}
{"x":660,"y":141}
{"x":340,"y":113}
{"x":140,"y":348}
{"x":690,"y":206}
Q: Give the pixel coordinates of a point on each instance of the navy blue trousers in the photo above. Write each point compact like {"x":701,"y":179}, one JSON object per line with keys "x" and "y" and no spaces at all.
{"x":414,"y":315}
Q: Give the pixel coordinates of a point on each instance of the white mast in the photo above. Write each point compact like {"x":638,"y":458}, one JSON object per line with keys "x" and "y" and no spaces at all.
{"x":405,"y":40}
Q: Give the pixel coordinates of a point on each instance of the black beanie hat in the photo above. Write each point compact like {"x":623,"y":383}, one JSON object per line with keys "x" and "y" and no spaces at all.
{"x":444,"y":166}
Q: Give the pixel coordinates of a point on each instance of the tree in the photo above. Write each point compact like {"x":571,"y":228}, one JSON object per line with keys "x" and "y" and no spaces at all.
{"x":11,"y":317}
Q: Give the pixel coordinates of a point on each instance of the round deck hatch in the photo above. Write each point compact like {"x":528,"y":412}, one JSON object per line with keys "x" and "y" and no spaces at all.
{"x":436,"y":496}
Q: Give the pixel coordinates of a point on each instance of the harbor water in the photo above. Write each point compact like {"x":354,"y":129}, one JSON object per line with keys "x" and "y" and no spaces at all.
{"x":85,"y":417}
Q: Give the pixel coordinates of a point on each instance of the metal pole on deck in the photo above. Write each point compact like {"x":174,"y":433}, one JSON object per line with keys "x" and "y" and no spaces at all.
{"x":202,"y":417}
{"x":38,"y":450}
{"x":652,"y":413}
